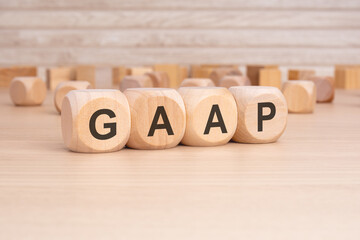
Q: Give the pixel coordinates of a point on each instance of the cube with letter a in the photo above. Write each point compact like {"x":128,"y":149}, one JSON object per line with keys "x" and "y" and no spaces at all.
{"x":95,"y":120}
{"x":157,"y":118}
{"x":211,"y":116}
{"x":262,"y":114}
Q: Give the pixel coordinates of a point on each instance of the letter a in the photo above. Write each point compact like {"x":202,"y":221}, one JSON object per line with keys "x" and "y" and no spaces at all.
{"x":160,"y":111}
{"x":215,"y":110}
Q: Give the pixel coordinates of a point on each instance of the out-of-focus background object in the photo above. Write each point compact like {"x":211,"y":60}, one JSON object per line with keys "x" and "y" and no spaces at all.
{"x":312,"y":33}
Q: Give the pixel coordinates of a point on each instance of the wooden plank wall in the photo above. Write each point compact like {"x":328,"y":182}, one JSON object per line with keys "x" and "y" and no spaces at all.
{"x":109,"y":32}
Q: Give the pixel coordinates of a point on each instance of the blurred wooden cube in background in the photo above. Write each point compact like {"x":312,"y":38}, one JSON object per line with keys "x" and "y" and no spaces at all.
{"x":176,"y":73}
{"x":98,"y":77}
{"x":296,"y":74}
{"x":8,"y":73}
{"x":325,"y":88}
{"x":253,"y":72}
{"x":140,"y":70}
{"x":159,"y":79}
{"x":197,"y":82}
{"x":56,"y":75}
{"x":118,"y":73}
{"x":64,"y":88}
{"x":218,"y":73}
{"x":139,"y":81}
{"x":270,"y":77}
{"x":347,"y":76}
{"x":234,"y":81}
{"x":27,"y":91}
{"x":204,"y":70}
{"x":86,"y":73}
{"x":300,"y":96}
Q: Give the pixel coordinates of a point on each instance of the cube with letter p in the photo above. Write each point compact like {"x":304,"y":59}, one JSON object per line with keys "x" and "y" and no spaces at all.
{"x":262,"y":114}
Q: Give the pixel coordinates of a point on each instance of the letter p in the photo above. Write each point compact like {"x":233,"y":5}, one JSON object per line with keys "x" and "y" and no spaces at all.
{"x":262,"y":117}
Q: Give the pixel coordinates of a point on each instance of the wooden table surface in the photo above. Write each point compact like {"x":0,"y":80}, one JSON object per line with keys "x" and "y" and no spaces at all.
{"x":305,"y":186}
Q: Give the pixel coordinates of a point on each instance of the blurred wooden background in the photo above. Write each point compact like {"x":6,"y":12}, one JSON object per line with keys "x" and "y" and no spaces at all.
{"x":317,"y":33}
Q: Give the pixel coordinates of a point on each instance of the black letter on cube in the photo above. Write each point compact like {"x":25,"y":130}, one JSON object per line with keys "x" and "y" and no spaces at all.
{"x":166,"y":125}
{"x":215,"y":110}
{"x":262,"y":117}
{"x":112,"y":126}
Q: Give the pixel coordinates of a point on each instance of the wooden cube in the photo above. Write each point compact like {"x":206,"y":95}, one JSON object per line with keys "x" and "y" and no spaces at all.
{"x":300,"y":96}
{"x":325,"y":88}
{"x":95,"y":120}
{"x":295,"y":74}
{"x":262,"y":114}
{"x":96,"y":76}
{"x":356,"y":84}
{"x":233,"y":81}
{"x":176,"y":73}
{"x":59,"y":74}
{"x":357,"y":80}
{"x":211,"y":116}
{"x":218,"y":73}
{"x":137,"y":71}
{"x":157,"y":118}
{"x":197,"y":82}
{"x":253,"y":72}
{"x":7,"y":74}
{"x":347,"y":76}
{"x":86,"y":73}
{"x":196,"y":72}
{"x":201,"y":71}
{"x":184,"y":73}
{"x":204,"y":70}
{"x":270,"y":77}
{"x":159,"y":79}
{"x":118,"y":73}
{"x":27,"y":91}
{"x":64,"y":87}
{"x":139,"y":81}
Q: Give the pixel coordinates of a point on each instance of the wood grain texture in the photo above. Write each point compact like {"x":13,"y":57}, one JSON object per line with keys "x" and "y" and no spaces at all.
{"x":128,"y":19}
{"x":307,"y":184}
{"x":321,"y":32}
{"x":226,"y":38}
{"x":120,"y":56}
{"x":184,"y":4}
